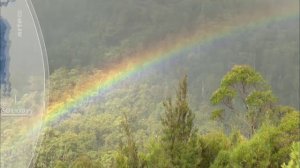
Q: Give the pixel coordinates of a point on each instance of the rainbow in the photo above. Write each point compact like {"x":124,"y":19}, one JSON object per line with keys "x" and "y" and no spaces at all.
{"x":100,"y":82}
{"x":206,"y":34}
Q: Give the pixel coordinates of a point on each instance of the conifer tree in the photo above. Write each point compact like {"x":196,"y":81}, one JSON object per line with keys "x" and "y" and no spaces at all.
{"x":179,"y":139}
{"x":128,"y":154}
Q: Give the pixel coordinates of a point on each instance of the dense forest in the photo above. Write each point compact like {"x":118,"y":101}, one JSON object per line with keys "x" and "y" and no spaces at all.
{"x":247,"y":128}
{"x":232,"y":102}
{"x":97,"y":34}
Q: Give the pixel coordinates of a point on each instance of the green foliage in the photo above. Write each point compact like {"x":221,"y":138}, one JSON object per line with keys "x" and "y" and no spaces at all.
{"x":242,"y":75}
{"x":95,"y":131}
{"x":105,"y":32}
{"x":128,"y":154}
{"x":255,"y":153}
{"x":259,"y":99}
{"x":178,"y":137}
{"x":83,"y":162}
{"x":100,"y":33}
{"x":268,"y":148}
{"x":60,"y":164}
{"x":222,"y":160}
{"x":282,"y":140}
{"x":295,"y":157}
{"x":155,"y":156}
{"x":212,"y":144}
{"x":223,"y":95}
{"x":245,"y":94}
{"x":236,"y":138}
{"x":217,"y":114}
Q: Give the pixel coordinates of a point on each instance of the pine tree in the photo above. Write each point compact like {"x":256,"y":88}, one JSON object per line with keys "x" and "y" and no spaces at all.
{"x":128,"y":154}
{"x":179,"y":139}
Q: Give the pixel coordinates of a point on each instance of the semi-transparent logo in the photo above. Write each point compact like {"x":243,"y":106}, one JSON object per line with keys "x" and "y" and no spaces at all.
{"x":23,"y":74}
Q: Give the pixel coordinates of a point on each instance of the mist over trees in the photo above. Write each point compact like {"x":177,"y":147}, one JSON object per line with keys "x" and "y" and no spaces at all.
{"x":237,"y":106}
{"x":101,"y":33}
{"x":126,"y":137}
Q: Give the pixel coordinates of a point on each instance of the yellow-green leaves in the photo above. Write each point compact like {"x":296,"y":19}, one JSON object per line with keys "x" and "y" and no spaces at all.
{"x":217,"y":114}
{"x":295,"y":157}
{"x":223,"y":95}
{"x":246,"y":98}
{"x":260,"y":98}
{"x":242,"y":74}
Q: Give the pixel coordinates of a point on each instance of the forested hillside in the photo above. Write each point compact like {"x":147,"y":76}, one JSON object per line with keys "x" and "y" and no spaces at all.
{"x":128,"y":129}
{"x":236,"y":104}
{"x":99,"y":33}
